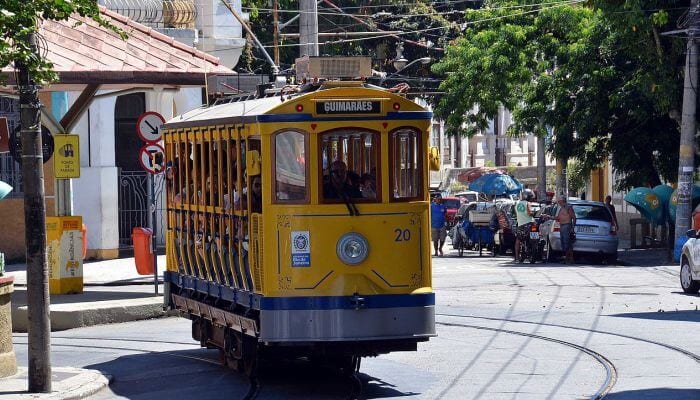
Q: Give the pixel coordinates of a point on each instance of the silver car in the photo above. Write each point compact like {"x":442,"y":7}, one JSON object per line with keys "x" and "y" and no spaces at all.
{"x":596,"y":232}
{"x":690,"y":263}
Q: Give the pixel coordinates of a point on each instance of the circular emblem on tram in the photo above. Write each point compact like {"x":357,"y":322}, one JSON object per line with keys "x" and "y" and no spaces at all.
{"x":301,"y":242}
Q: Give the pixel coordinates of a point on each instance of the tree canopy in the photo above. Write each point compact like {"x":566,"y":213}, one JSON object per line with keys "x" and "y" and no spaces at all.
{"x":20,"y":18}
{"x":599,"y":76}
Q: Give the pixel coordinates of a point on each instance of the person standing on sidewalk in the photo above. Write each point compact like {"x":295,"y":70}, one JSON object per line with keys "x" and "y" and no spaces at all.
{"x":567,"y":221}
{"x":524,"y":217}
{"x":438,"y":217}
{"x":609,"y":205}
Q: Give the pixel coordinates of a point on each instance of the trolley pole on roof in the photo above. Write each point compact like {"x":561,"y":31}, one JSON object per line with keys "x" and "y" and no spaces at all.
{"x":686,"y":156}
{"x":39,"y":338}
{"x":275,"y":32}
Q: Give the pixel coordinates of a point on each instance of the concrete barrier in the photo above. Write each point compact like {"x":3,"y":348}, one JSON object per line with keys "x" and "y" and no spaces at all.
{"x":8,"y":362}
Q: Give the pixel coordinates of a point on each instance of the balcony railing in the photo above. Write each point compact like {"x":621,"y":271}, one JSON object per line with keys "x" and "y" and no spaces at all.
{"x":156,"y":13}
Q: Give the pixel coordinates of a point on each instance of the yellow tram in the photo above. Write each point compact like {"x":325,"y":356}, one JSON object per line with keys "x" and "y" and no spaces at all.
{"x":299,"y":223}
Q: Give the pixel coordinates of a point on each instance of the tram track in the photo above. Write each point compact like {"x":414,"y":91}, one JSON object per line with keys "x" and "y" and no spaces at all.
{"x":693,"y":356}
{"x":611,"y":371}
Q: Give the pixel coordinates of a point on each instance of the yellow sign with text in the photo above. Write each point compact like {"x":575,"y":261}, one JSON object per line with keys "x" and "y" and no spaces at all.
{"x":64,"y":248}
{"x":66,"y":157}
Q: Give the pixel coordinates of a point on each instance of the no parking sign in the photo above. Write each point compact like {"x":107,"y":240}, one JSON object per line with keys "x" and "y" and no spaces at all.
{"x":152,"y":158}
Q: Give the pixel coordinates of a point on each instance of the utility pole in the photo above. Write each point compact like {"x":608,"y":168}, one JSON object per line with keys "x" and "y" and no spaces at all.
{"x":686,"y":161}
{"x":275,"y":33}
{"x":541,"y":169}
{"x":308,"y":28}
{"x":39,"y":352}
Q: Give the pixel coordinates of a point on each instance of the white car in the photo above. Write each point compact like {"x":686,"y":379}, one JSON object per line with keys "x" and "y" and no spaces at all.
{"x":690,"y":263}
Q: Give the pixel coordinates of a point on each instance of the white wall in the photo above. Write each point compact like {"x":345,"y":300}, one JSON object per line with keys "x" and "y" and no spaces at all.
{"x":221,"y":32}
{"x":95,"y":195}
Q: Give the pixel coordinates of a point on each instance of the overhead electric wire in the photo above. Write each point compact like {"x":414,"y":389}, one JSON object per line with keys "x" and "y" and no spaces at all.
{"x":461,"y":26}
{"x":437,"y":13}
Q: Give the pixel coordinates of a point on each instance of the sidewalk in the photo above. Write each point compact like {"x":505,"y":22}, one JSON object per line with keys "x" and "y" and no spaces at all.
{"x":113,"y":292}
{"x":66,"y":384}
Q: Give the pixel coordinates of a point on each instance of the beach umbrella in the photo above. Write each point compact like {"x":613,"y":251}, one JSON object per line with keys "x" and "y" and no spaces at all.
{"x":471,"y":174}
{"x":673,"y":203}
{"x":496,"y":185}
{"x":5,"y":189}
{"x":647,"y":203}
{"x":664,"y":193}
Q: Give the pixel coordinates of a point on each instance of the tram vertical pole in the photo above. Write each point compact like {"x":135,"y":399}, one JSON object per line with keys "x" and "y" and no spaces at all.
{"x":152,"y":224}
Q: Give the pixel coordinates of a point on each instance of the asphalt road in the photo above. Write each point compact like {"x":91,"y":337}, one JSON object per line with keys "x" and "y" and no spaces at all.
{"x":505,"y":331}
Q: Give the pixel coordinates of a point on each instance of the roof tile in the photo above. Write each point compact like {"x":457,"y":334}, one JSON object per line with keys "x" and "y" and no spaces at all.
{"x":79,"y":45}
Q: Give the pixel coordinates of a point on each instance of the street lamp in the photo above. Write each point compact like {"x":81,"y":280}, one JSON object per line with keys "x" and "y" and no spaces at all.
{"x":422,"y":60}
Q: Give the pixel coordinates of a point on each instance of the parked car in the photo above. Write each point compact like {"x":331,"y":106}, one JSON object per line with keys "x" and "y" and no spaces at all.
{"x":468,"y":196}
{"x":596,"y":232}
{"x":452,"y":204}
{"x":690,"y":263}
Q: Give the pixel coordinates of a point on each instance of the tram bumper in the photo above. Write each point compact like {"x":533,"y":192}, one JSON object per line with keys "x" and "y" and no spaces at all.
{"x":373,"y":318}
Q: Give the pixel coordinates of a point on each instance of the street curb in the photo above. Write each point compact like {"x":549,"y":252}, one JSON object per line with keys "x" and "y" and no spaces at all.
{"x":85,"y":383}
{"x":75,"y":315}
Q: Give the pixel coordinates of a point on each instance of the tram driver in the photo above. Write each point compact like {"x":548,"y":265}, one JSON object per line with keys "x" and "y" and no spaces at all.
{"x":337,"y":185}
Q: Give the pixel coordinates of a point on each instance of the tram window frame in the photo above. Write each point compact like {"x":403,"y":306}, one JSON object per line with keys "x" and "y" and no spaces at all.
{"x":307,"y":180}
{"x":376,"y":153}
{"x":420,"y":164}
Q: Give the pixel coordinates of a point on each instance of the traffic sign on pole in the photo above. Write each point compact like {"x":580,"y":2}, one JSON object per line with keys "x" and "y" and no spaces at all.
{"x":152,"y":158}
{"x":148,"y":126}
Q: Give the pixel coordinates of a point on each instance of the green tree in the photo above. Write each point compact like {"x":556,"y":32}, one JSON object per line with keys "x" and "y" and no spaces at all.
{"x":602,"y":78}
{"x":20,"y":18}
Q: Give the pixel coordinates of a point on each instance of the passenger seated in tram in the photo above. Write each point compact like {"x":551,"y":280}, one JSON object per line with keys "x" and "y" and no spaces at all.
{"x":367,"y":187}
{"x":338,"y":186}
{"x":256,"y":194}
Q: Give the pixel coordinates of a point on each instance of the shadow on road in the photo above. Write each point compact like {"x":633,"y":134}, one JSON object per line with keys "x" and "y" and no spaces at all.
{"x":196,"y":375}
{"x":655,"y":394}
{"x":691,"y":316}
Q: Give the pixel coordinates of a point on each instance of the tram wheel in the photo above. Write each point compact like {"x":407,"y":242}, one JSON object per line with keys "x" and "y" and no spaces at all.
{"x":250,"y":365}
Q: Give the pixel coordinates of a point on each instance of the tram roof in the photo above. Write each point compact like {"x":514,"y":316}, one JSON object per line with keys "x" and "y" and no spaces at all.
{"x":249,"y":110}
{"x":228,"y":112}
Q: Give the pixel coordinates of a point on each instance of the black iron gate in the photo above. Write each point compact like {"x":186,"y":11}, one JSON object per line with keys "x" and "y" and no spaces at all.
{"x":133,"y":205}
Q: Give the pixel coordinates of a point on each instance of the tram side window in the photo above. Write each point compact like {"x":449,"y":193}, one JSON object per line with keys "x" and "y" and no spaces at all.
{"x":350,"y":162}
{"x":406,"y":164}
{"x":290,"y":167}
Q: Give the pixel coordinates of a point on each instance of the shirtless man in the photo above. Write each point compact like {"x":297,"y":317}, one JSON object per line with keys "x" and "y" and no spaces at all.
{"x":567,"y":220}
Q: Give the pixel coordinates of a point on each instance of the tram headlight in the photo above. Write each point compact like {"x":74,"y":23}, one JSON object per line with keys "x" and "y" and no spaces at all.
{"x":352,"y":248}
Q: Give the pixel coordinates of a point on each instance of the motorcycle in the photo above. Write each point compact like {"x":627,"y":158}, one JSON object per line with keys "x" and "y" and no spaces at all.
{"x":531,"y":243}
{"x":460,"y":239}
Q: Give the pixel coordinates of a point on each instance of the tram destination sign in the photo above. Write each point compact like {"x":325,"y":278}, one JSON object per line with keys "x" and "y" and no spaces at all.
{"x":348,"y":107}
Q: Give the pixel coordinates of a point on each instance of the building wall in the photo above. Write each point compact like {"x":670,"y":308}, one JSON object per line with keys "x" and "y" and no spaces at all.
{"x":96,"y":192}
{"x":12,"y":241}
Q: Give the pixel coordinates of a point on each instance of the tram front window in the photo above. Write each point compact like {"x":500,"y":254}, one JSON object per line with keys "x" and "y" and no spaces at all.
{"x":349,"y":164}
{"x":290,"y":167}
{"x":405,"y":152}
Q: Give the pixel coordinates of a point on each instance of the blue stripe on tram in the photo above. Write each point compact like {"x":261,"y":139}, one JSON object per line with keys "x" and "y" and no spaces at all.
{"x":347,"y":302}
{"x":308,"y":117}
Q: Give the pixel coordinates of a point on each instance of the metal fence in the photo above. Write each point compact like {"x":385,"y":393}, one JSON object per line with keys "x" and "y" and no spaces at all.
{"x":11,"y":173}
{"x":133,"y":205}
